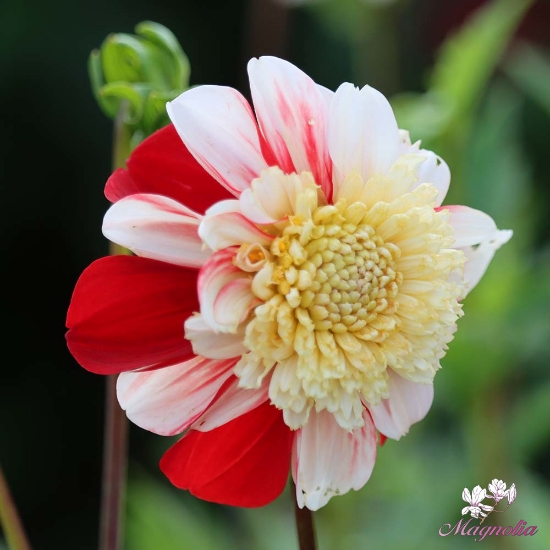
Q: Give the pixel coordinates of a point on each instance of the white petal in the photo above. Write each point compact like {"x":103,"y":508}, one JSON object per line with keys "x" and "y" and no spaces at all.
{"x":466,"y":497}
{"x":409,"y":402}
{"x":267,"y":201}
{"x":362,"y":133}
{"x":234,"y":302}
{"x":230,"y":229}
{"x":434,"y":170}
{"x":218,"y":127}
{"x":471,"y":226}
{"x":292,"y":113}
{"x":234,"y":402}
{"x":477,"y":236}
{"x":168,"y":400}
{"x":328,"y":460}
{"x":210,"y":344}
{"x":156,"y":227}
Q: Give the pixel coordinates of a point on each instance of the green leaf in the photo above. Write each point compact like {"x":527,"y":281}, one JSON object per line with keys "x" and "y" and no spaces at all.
{"x":178,"y":72}
{"x":113,"y":94}
{"x":467,"y":59}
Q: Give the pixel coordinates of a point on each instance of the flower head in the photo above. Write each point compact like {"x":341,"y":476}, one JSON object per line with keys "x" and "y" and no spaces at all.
{"x":474,"y":500}
{"x":304,"y":253}
{"x":498,"y":488}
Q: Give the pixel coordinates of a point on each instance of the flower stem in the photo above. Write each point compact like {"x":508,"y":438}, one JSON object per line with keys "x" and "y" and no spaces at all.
{"x":304,"y":525}
{"x":498,"y":511}
{"x":115,"y":460}
{"x":9,"y":519}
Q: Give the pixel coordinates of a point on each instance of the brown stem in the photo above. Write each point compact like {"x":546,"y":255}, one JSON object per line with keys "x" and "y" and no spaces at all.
{"x":113,"y":490}
{"x":498,"y":511}
{"x":114,"y":471}
{"x":304,"y":525}
{"x":9,"y":519}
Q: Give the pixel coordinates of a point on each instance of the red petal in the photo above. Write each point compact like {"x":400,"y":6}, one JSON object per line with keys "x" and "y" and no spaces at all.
{"x":162,"y":165}
{"x":128,"y":312}
{"x":382,"y":439}
{"x":242,"y":463}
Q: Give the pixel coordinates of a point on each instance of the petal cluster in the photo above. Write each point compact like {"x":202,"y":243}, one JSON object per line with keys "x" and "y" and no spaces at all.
{"x":295,"y":284}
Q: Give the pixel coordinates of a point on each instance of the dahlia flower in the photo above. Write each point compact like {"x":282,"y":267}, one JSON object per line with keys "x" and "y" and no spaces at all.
{"x":294,"y":287}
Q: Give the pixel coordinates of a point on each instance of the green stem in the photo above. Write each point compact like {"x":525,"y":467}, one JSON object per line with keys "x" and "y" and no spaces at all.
{"x":304,"y":525}
{"x":9,"y":519}
{"x":115,"y":453}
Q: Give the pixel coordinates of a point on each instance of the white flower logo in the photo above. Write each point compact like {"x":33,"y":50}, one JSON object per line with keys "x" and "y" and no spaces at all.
{"x":498,"y":489}
{"x":474,"y":500}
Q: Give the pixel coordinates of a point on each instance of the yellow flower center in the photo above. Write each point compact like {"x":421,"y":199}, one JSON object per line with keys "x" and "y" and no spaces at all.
{"x":350,"y":290}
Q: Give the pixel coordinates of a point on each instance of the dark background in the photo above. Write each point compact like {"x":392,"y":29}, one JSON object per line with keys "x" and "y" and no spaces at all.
{"x":54,"y":160}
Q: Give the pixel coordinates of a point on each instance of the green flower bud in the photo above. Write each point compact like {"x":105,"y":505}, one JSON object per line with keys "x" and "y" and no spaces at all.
{"x":141,"y":72}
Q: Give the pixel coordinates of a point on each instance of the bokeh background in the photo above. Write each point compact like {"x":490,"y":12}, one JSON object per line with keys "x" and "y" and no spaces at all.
{"x":470,"y":78}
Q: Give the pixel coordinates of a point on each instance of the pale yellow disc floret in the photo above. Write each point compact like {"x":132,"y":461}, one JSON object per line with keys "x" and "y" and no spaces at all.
{"x":350,"y":290}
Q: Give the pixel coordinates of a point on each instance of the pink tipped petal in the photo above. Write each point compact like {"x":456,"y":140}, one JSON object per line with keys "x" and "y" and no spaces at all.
{"x":409,"y":402}
{"x":292,"y":113}
{"x":362,"y":134}
{"x":218,"y":127}
{"x":215,"y":274}
{"x":210,"y":344}
{"x":167,"y":401}
{"x":156,"y":227}
{"x":231,"y":229}
{"x":329,"y":461}
{"x":476,"y":234}
{"x":434,"y":170}
{"x":234,"y":402}
{"x":234,"y":302}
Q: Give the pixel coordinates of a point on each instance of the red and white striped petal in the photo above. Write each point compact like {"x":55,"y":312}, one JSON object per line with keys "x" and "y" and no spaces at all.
{"x":208,"y":343}
{"x":218,"y":272}
{"x":162,"y":165}
{"x":127,"y":313}
{"x":231,"y":229}
{"x":244,"y":462}
{"x":362,"y":133}
{"x":328,"y":460}
{"x":409,"y":402}
{"x":476,"y":234}
{"x":217,"y":125}
{"x":234,"y":302}
{"x":167,"y":401}
{"x":234,"y":402}
{"x":156,"y":227}
{"x":292,"y":113}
